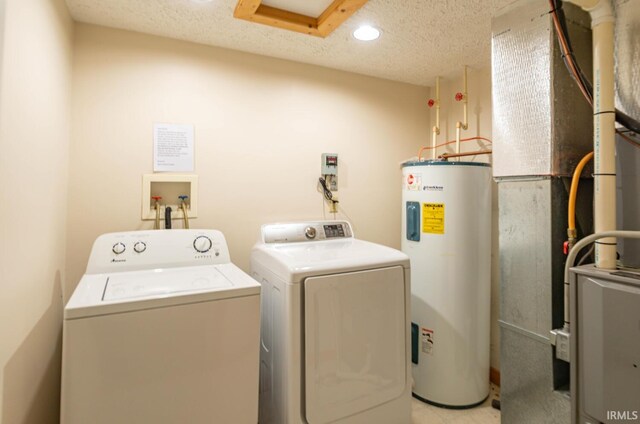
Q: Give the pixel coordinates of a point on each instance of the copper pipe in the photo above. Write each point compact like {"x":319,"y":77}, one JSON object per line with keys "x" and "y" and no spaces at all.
{"x":451,"y":142}
{"x":565,"y":51}
{"x":458,"y":155}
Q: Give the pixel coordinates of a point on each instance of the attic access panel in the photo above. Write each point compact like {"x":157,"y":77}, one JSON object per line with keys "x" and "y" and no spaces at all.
{"x":304,"y":7}
{"x":321,"y":26}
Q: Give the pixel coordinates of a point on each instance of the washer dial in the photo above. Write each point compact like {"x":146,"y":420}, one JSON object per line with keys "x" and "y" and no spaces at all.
{"x":118,"y":248}
{"x":310,"y":233}
{"x":202,"y":244}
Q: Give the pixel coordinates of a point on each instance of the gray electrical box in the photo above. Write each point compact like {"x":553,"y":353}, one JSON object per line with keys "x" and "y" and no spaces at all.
{"x":329,"y":170}
{"x":329,"y":164}
{"x":605,"y":346}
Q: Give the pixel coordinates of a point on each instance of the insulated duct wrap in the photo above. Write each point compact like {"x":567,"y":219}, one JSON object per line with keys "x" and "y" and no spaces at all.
{"x":536,"y":133}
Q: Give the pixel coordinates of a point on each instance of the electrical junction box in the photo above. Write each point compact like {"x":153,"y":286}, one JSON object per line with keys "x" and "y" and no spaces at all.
{"x":329,"y":170}
{"x":329,"y":164}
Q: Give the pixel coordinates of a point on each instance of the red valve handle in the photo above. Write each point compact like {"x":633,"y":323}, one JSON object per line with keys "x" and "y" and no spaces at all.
{"x":459,"y":97}
{"x":431,"y":102}
{"x":156,"y":198}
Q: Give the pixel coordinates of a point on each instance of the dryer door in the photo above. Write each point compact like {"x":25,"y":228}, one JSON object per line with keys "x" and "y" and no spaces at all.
{"x":355,"y":342}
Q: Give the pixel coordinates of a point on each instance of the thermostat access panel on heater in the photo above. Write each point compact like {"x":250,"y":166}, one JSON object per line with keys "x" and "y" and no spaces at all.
{"x":306,"y":231}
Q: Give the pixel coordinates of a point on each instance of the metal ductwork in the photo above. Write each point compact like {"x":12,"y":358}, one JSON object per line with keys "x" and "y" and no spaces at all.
{"x":542,"y":127}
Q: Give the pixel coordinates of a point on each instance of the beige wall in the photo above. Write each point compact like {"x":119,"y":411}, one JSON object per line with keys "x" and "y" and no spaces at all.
{"x":479,"y":90}
{"x":261,"y":125}
{"x":34,"y":144}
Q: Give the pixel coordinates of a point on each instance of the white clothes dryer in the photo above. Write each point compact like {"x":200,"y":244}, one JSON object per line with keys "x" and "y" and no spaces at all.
{"x":161,"y":329}
{"x":335,"y":327}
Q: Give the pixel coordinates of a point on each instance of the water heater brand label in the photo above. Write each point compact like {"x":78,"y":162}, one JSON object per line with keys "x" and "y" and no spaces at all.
{"x":426,"y":343}
{"x":433,"y":218}
{"x":413,"y":182}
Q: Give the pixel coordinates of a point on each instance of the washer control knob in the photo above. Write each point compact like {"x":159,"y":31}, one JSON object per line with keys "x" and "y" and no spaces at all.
{"x":118,"y":248}
{"x":310,"y":233}
{"x":202,"y":244}
{"x":140,"y":247}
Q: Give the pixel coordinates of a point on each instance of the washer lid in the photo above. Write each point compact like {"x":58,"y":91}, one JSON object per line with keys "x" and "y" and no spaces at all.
{"x":162,"y":283}
{"x":100,"y":294}
{"x":295,"y":261}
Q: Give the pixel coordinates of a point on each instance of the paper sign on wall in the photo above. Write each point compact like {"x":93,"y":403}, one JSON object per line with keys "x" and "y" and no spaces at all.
{"x":173,"y":148}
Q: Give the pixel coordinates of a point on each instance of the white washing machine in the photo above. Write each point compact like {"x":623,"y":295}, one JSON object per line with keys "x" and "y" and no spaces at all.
{"x":162,"y":328}
{"x":335,"y":327}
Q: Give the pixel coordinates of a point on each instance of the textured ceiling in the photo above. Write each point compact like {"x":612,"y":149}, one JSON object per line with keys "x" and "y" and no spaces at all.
{"x":420,"y":38}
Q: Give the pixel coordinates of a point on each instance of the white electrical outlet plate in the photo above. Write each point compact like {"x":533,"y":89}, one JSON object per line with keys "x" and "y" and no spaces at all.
{"x":561,"y":339}
{"x":169,"y":186}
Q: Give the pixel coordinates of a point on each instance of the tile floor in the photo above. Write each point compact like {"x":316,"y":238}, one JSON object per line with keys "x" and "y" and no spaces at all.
{"x":423,"y":413}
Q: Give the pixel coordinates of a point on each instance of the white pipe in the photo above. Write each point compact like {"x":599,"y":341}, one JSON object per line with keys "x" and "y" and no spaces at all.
{"x":602,"y":24}
{"x":571,"y":258}
{"x":458,"y":125}
{"x":436,"y":128}
{"x":465,"y":101}
{"x":465,"y":124}
{"x":434,"y":142}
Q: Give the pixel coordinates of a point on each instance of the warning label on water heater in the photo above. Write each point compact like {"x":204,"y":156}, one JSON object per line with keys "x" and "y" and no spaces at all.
{"x":433,"y":218}
{"x":427,"y":341}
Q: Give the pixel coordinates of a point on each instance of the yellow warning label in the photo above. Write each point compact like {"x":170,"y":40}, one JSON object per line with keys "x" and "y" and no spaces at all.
{"x":433,"y":218}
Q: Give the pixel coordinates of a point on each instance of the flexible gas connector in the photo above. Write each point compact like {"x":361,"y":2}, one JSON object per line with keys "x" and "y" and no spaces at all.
{"x":572,"y":233}
{"x":183,"y":206}
{"x":156,"y":226}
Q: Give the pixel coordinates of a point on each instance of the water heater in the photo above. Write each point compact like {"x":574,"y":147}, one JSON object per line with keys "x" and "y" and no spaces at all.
{"x":446,"y":231}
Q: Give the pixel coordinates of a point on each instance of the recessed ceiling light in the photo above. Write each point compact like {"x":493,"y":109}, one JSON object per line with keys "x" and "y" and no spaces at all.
{"x":366,"y":33}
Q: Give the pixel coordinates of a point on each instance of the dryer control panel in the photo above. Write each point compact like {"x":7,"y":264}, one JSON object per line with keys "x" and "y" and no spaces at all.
{"x":296,"y":232}
{"x":137,"y":250}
